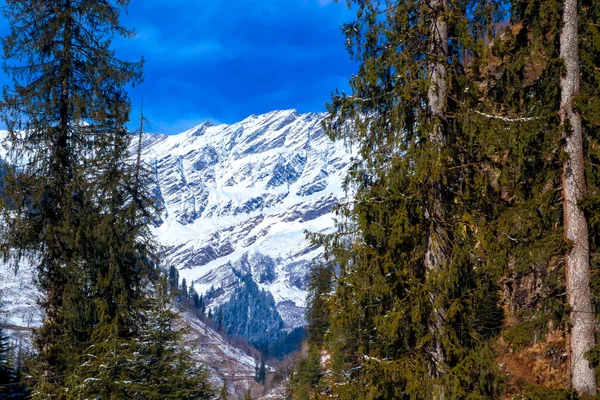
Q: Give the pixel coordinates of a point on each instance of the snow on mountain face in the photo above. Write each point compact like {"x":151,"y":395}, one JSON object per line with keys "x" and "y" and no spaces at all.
{"x":237,"y":200}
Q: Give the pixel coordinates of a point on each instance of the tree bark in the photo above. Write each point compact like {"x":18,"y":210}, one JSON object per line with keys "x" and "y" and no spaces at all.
{"x":577,"y":259}
{"x":436,"y":256}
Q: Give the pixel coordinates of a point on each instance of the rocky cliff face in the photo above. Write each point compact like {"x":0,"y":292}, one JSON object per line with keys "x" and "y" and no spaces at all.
{"x":236,"y":202}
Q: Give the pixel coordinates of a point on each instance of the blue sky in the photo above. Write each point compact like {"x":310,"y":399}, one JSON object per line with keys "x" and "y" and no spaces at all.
{"x":223,"y":60}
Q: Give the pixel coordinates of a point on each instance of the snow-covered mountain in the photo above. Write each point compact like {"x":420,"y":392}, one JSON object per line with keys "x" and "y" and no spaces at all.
{"x":237,"y":200}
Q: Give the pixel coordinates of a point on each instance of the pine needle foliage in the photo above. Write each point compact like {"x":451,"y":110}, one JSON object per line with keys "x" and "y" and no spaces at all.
{"x":520,"y":79}
{"x":68,"y":91}
{"x":386,"y":299}
{"x":80,"y":206}
{"x":152,"y":365}
{"x":500,"y":176}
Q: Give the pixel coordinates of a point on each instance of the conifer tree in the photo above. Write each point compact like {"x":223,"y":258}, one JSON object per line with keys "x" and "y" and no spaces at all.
{"x":412,"y":280}
{"x":583,"y":336}
{"x":183,"y":294}
{"x":7,"y":375}
{"x":83,"y":209}
{"x":320,"y":285}
{"x":173,"y":278}
{"x":67,"y":92}
{"x":194,"y":298}
{"x":543,"y":95}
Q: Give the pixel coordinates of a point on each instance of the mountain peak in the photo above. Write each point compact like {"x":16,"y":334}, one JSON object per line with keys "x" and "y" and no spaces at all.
{"x":200,"y":129}
{"x":241,"y":198}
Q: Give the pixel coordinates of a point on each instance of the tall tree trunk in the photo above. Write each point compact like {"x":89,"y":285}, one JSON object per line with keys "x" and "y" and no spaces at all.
{"x":576,"y":229}
{"x":436,"y":257}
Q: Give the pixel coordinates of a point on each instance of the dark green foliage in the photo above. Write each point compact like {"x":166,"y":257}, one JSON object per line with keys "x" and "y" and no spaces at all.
{"x":173,"y":275}
{"x":525,"y":333}
{"x":154,"y":365}
{"x":194,"y":299}
{"x":251,"y":314}
{"x":82,"y":209}
{"x":535,"y":393}
{"x":65,"y":114}
{"x":307,"y":374}
{"x":497,"y":177}
{"x":386,"y":301}
{"x":320,"y":286}
{"x":261,"y":373}
{"x":286,"y":343}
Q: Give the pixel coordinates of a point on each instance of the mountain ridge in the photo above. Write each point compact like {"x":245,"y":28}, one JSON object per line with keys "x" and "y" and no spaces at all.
{"x":238,"y":199}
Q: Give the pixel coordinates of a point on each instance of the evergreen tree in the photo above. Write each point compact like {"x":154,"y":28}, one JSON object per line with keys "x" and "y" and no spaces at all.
{"x":320,"y":286}
{"x":183,"y":294}
{"x":194,"y":298}
{"x":173,"y":278}
{"x":155,"y":365}
{"x":307,"y":375}
{"x":582,"y":338}
{"x":67,"y":93}
{"x":84,"y":210}
{"x":220,"y":319}
{"x":543,"y":74}
{"x":412,"y":274}
{"x":7,"y":373}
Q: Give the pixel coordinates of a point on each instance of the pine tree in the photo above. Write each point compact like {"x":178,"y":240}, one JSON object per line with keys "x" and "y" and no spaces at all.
{"x":153,"y":365}
{"x":7,"y":374}
{"x":183,"y":294}
{"x":220,"y":319}
{"x":542,"y":77}
{"x":67,"y":92}
{"x":173,"y":278}
{"x":320,"y":286}
{"x":583,"y":336}
{"x":404,"y":317}
{"x":194,"y":298}
{"x":84,"y":209}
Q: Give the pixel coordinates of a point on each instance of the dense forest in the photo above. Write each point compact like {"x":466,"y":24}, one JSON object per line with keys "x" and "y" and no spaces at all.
{"x":464,"y":263}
